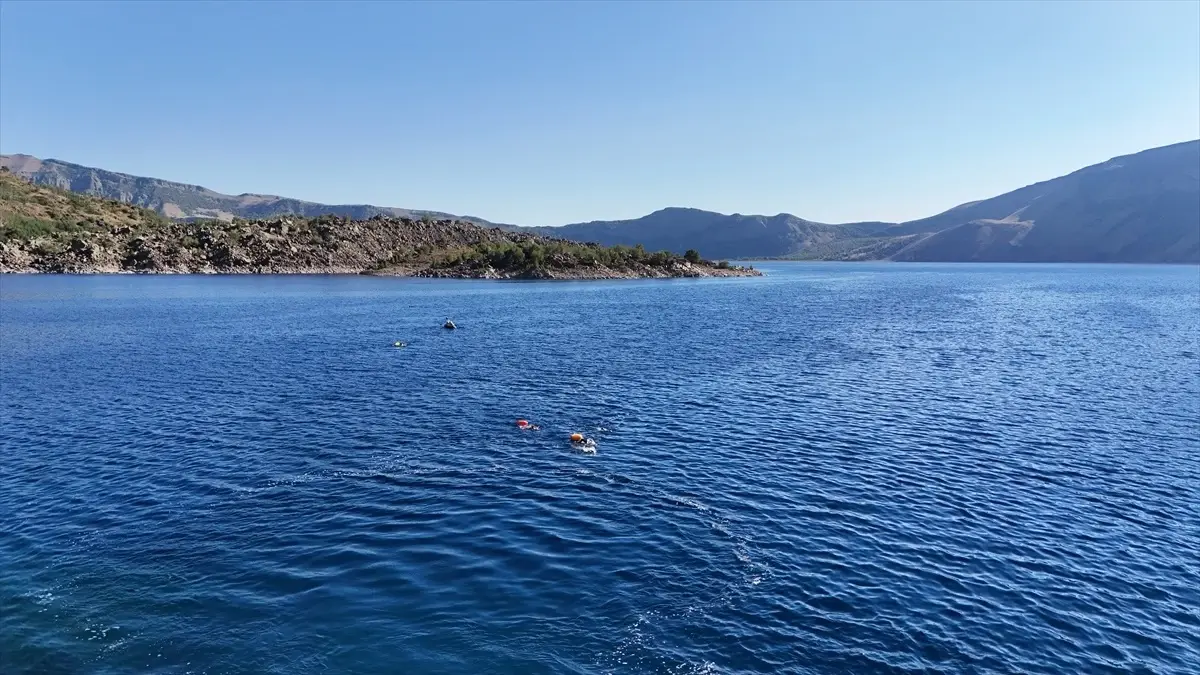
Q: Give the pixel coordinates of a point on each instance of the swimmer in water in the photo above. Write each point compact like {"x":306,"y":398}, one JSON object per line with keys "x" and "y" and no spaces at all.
{"x":588,"y":445}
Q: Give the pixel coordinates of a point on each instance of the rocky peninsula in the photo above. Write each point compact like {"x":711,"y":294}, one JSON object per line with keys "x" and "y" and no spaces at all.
{"x":49,"y":230}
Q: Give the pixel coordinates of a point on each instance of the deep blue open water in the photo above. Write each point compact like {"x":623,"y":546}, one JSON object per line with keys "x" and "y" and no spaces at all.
{"x":833,"y":469}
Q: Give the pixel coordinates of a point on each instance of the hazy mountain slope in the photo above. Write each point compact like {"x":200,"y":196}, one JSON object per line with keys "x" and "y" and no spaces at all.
{"x":1136,"y":208}
{"x":183,"y":201}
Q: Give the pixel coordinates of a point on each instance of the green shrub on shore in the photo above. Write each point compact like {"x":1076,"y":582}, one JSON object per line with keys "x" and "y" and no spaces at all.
{"x":557,"y":254}
{"x":23,"y":228}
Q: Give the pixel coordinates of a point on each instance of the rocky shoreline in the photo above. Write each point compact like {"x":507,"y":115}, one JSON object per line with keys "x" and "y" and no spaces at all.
{"x":580,"y":274}
{"x":80,"y":255}
{"x":51,"y":231}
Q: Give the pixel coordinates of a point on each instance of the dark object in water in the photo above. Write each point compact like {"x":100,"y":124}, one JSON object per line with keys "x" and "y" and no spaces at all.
{"x":449,"y":325}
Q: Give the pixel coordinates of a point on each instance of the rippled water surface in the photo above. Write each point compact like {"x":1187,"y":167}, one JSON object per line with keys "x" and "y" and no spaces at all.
{"x":833,"y":469}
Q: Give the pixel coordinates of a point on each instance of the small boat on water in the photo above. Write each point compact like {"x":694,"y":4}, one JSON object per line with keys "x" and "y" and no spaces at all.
{"x":449,"y":325}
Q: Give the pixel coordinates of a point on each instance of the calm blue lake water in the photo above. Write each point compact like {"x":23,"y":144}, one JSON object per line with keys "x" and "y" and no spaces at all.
{"x":833,"y":469}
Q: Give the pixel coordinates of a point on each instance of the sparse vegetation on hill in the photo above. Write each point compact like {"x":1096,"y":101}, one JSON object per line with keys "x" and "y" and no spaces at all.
{"x":44,"y":229}
{"x":29,"y":212}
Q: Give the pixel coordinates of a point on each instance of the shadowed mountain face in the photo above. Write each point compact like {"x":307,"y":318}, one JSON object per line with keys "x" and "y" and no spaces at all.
{"x":1143,"y":207}
{"x":181,"y":201}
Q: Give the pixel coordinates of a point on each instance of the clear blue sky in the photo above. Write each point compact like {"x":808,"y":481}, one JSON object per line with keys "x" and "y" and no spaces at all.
{"x":544,"y":114}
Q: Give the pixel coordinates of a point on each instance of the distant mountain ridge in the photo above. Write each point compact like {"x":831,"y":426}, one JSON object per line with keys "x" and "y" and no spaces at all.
{"x":182,"y":201}
{"x":1143,"y":207}
{"x":727,"y":236}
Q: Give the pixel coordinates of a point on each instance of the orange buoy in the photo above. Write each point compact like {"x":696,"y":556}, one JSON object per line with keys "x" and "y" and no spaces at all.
{"x":576,"y":438}
{"x":522,"y":423}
